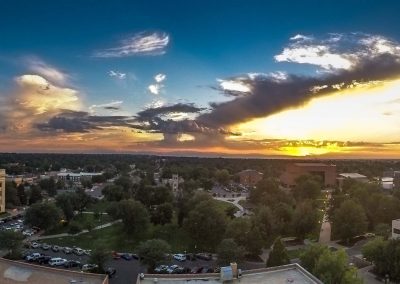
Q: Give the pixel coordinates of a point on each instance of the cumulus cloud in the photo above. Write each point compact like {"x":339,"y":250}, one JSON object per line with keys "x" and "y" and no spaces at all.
{"x":117,"y":74}
{"x":143,"y":43}
{"x":157,"y":86}
{"x":337,"y":51}
{"x":35,"y":99}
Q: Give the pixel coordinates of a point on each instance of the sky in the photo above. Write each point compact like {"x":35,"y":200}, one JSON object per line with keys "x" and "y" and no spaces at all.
{"x":208,"y":78}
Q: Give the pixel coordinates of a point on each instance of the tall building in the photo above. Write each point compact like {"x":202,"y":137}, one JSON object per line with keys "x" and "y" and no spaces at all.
{"x":2,"y":190}
{"x":295,"y":170}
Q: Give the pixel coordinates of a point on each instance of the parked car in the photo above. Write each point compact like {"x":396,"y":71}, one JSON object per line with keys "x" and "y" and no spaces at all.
{"x":87,"y":251}
{"x":45,"y":246}
{"x":116,"y":255}
{"x":111,"y":272}
{"x":35,"y":245}
{"x":161,"y":269}
{"x":72,"y":263}
{"x":78,"y":251}
{"x":44,"y":259}
{"x":28,"y":233}
{"x":33,"y":257}
{"x":207,"y":270}
{"x":67,"y":250}
{"x":196,"y":269}
{"x":55,"y":248}
{"x":190,"y":256}
{"x":87,"y":267}
{"x":204,"y":256}
{"x":57,"y":261}
{"x":173,"y":269}
{"x":179,"y":257}
{"x":126,"y":256}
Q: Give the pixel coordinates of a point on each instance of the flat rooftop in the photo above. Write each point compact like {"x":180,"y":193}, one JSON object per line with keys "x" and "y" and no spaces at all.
{"x":352,"y":175}
{"x":15,"y":272}
{"x":292,"y":273}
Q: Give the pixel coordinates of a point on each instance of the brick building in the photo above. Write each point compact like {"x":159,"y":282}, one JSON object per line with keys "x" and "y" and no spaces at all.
{"x":295,"y":170}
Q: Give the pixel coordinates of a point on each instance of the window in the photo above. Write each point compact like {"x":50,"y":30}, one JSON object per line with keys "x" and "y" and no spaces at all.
{"x":396,"y":231}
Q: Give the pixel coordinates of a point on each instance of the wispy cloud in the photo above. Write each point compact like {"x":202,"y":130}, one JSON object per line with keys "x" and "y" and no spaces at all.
{"x":49,"y":72}
{"x":117,"y":74}
{"x":114,"y":105}
{"x":143,"y":43}
{"x":156,"y":87}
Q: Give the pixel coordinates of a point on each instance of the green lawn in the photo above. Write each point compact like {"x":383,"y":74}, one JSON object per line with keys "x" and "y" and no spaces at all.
{"x":99,"y":206}
{"x":81,"y":220}
{"x":114,"y":238}
{"x":224,"y":206}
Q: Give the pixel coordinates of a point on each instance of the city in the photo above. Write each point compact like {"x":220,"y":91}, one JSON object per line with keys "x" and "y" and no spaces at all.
{"x":212,"y":141}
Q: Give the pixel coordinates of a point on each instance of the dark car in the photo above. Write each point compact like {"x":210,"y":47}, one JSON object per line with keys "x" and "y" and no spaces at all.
{"x":129,"y":256}
{"x":73,"y":263}
{"x":204,"y":256}
{"x":207,"y":270}
{"x":196,"y":270}
{"x":44,"y":259}
{"x":161,"y":269}
{"x":190,"y":256}
{"x":111,"y":272}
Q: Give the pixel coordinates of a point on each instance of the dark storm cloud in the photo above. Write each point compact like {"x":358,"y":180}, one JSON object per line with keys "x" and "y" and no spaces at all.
{"x":270,"y":96}
{"x":112,"y":108}
{"x":151,"y":113}
{"x":79,"y":121}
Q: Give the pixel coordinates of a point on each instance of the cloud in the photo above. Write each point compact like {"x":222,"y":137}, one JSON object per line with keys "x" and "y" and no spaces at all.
{"x":337,"y":51}
{"x":234,"y":87}
{"x":160,"y":77}
{"x":116,"y":74}
{"x":143,"y":43}
{"x":156,"y":87}
{"x":114,"y":105}
{"x":82,"y":122}
{"x":268,"y":95}
{"x":51,"y":73}
{"x":34,"y":99}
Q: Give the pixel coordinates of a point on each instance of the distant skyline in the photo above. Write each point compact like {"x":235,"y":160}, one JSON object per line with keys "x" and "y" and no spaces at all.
{"x":209,"y":78}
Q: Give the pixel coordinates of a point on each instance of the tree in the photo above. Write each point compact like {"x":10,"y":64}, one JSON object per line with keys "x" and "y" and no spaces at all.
{"x":264,"y":221}
{"x":349,"y":220}
{"x":278,"y":255}
{"x":113,"y":192}
{"x":383,"y":230}
{"x":229,"y":251}
{"x":82,"y":200}
{"x":99,"y":256}
{"x":206,"y":224}
{"x":152,"y":252}
{"x":305,"y":219}
{"x":21,"y":194}
{"x":222,"y":176}
{"x":245,"y":234}
{"x":134,"y":215}
{"x":332,"y":267}
{"x":162,"y":214}
{"x":35,"y":194}
{"x":308,"y":187}
{"x":12,"y":195}
{"x":48,"y":185}
{"x":329,"y":267}
{"x":65,"y":202}
{"x":43,"y":215}
{"x":11,"y":241}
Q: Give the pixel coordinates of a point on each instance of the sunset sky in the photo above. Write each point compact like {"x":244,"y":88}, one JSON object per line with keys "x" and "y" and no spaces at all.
{"x":226,"y":78}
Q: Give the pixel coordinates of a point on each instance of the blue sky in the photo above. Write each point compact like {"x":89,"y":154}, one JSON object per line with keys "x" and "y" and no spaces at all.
{"x":207,"y":40}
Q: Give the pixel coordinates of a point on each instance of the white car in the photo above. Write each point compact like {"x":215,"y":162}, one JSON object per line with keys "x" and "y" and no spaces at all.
{"x":78,"y":251}
{"x":35,"y":245}
{"x":33,"y":256}
{"x":86,"y":267}
{"x":180,"y":257}
{"x":57,"y":261}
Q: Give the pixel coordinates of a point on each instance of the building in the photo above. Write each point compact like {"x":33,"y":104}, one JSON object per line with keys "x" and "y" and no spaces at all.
{"x":354,"y":176}
{"x":291,"y":273}
{"x":75,"y":177}
{"x":396,"y":229}
{"x":174,"y":183}
{"x":2,"y":190}
{"x":396,"y":179}
{"x":295,"y":170}
{"x":15,"y":272}
{"x":250,"y":177}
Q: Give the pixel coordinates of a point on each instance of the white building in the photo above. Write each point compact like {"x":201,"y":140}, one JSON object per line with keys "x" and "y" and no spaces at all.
{"x":353,"y":176}
{"x":2,"y":190}
{"x":396,"y":229}
{"x":75,"y":177}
